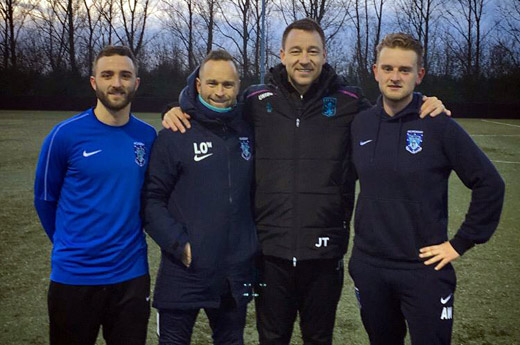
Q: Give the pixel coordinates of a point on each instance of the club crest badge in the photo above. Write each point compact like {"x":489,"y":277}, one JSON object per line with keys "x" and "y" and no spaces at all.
{"x":414,"y":140}
{"x":246,"y":148}
{"x":140,"y":152}
{"x":329,"y":106}
{"x":269,"y":108}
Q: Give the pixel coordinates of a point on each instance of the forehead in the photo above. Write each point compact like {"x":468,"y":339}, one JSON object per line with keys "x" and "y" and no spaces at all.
{"x":397,"y":57}
{"x":303,"y":38}
{"x":218,"y":70}
{"x":115,"y":63}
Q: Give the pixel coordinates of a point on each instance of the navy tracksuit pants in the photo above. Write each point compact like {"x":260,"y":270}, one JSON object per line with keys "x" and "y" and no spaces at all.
{"x":227,"y":323}
{"x":391,"y":298}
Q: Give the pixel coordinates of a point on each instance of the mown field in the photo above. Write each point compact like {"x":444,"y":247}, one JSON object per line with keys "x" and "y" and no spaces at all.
{"x":487,"y":309}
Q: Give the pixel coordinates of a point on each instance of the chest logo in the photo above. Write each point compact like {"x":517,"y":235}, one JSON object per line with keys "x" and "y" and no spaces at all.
{"x":329,"y":106}
{"x":414,"y":140}
{"x":88,"y":154}
{"x":364,"y":142}
{"x":269,"y":108}
{"x":245,"y":147}
{"x":140,"y":152}
{"x":264,"y":95}
{"x":201,"y":151}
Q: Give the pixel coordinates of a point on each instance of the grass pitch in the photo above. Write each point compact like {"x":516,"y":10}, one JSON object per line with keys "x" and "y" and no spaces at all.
{"x":487,"y":308}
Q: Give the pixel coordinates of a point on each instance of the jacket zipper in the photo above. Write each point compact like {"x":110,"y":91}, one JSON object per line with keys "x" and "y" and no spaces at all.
{"x":296,"y":224}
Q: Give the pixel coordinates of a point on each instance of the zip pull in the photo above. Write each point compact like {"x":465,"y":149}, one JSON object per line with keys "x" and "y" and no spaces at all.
{"x":297,"y":122}
{"x":294,"y":261}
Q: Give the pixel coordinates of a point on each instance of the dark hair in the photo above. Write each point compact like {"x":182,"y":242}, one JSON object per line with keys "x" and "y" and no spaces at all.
{"x":219,"y":55}
{"x":403,"y":41}
{"x":115,"y":50}
{"x":305,"y":24}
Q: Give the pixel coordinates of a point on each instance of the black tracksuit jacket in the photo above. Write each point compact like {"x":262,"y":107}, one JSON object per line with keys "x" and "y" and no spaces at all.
{"x":304,"y":186}
{"x":198,"y":190}
{"x":404,"y":163}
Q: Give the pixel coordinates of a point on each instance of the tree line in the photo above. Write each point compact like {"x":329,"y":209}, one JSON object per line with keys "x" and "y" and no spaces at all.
{"x":472,"y":47}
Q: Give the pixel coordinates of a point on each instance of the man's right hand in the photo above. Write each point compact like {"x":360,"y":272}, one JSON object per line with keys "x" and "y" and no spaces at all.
{"x":176,"y":120}
{"x":186,"y":255}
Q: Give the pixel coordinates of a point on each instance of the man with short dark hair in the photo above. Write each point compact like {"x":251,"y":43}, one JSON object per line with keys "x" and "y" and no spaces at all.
{"x":197,"y":207}
{"x":87,"y":195}
{"x":403,"y":164}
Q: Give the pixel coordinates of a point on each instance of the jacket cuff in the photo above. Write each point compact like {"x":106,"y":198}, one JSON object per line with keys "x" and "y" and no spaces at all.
{"x":178,"y":246}
{"x":168,"y":107}
{"x":461,"y":245}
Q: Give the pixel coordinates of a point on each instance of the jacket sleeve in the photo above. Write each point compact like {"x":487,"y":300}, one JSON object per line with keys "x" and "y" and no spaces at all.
{"x":159,"y":223}
{"x":50,"y":173}
{"x":477,"y":172}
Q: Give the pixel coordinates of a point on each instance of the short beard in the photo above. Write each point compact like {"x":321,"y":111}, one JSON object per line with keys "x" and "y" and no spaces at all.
{"x":110,"y":106}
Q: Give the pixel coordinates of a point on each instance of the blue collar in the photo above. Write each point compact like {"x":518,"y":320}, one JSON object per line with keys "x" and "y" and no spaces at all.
{"x":213,"y":108}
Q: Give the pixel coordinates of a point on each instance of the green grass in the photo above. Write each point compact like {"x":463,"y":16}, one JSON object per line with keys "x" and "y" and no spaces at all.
{"x":487,"y":309}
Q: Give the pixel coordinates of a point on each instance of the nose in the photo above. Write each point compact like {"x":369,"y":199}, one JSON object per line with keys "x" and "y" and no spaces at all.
{"x":220,"y":91}
{"x":116,"y":81}
{"x":304,"y":58}
{"x":395,"y":75}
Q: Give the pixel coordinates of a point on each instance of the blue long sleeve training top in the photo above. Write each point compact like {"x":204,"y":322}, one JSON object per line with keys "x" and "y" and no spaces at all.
{"x":87,"y":195}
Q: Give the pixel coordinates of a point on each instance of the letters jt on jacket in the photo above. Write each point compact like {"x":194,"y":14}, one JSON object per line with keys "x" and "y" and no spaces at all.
{"x":198,"y":190}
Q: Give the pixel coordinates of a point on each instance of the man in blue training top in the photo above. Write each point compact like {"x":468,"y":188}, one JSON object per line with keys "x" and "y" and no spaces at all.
{"x":87,"y":195}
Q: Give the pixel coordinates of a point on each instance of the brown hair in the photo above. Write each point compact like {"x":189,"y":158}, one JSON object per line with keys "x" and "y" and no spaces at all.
{"x":219,"y":55}
{"x":115,"y":50}
{"x":305,"y":24}
{"x":403,"y":41}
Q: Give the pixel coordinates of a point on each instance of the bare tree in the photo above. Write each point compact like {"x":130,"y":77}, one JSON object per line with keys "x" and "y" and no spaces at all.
{"x":509,"y":38}
{"x":134,"y":15}
{"x":14,"y":13}
{"x":418,"y":17}
{"x":238,"y":19}
{"x":466,"y":17}
{"x":208,"y":10}
{"x":330,"y":14}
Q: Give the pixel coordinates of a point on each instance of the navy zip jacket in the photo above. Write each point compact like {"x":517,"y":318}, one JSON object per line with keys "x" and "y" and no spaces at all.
{"x":403,"y":164}
{"x":198,"y":190}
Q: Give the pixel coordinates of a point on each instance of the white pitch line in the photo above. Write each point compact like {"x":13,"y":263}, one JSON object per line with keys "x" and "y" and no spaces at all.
{"x":495,"y":135}
{"x":507,"y":162}
{"x":501,"y":123}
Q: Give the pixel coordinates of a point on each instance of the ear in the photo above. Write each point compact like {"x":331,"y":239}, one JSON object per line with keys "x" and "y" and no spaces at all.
{"x":93,"y":82}
{"x":374,"y":69}
{"x":137,"y":82}
{"x":282,"y":56}
{"x":324,"y":55}
{"x":420,"y":75}
{"x":198,"y":84}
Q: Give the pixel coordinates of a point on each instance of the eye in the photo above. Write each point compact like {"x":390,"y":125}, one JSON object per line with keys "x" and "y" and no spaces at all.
{"x":294,"y":51}
{"x":314,"y":51}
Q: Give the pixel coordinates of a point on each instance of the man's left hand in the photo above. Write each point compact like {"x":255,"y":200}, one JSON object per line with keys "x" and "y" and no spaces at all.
{"x":433,"y":106}
{"x":444,"y":253}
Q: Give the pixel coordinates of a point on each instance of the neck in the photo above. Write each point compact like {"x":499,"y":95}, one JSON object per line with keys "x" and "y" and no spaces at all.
{"x":112,"y":117}
{"x":393,"y":107}
{"x":301,"y":89}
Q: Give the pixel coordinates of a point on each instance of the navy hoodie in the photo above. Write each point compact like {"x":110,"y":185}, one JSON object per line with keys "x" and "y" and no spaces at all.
{"x":403,"y":164}
{"x":198,"y":190}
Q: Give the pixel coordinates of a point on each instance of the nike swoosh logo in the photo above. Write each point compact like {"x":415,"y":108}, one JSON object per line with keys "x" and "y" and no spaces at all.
{"x":199,"y":158}
{"x":362,"y":143}
{"x":445,"y":300}
{"x":88,"y":154}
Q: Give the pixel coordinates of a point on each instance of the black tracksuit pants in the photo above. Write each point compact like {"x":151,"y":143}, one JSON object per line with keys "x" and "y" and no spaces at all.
{"x":311,"y":288}
{"x":390,"y":298}
{"x":77,"y":312}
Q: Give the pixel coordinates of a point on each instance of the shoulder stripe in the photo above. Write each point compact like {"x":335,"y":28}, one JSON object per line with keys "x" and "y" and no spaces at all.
{"x":66,"y":122}
{"x":146,"y":123}
{"x":351,"y":94}
{"x":257,"y":92}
